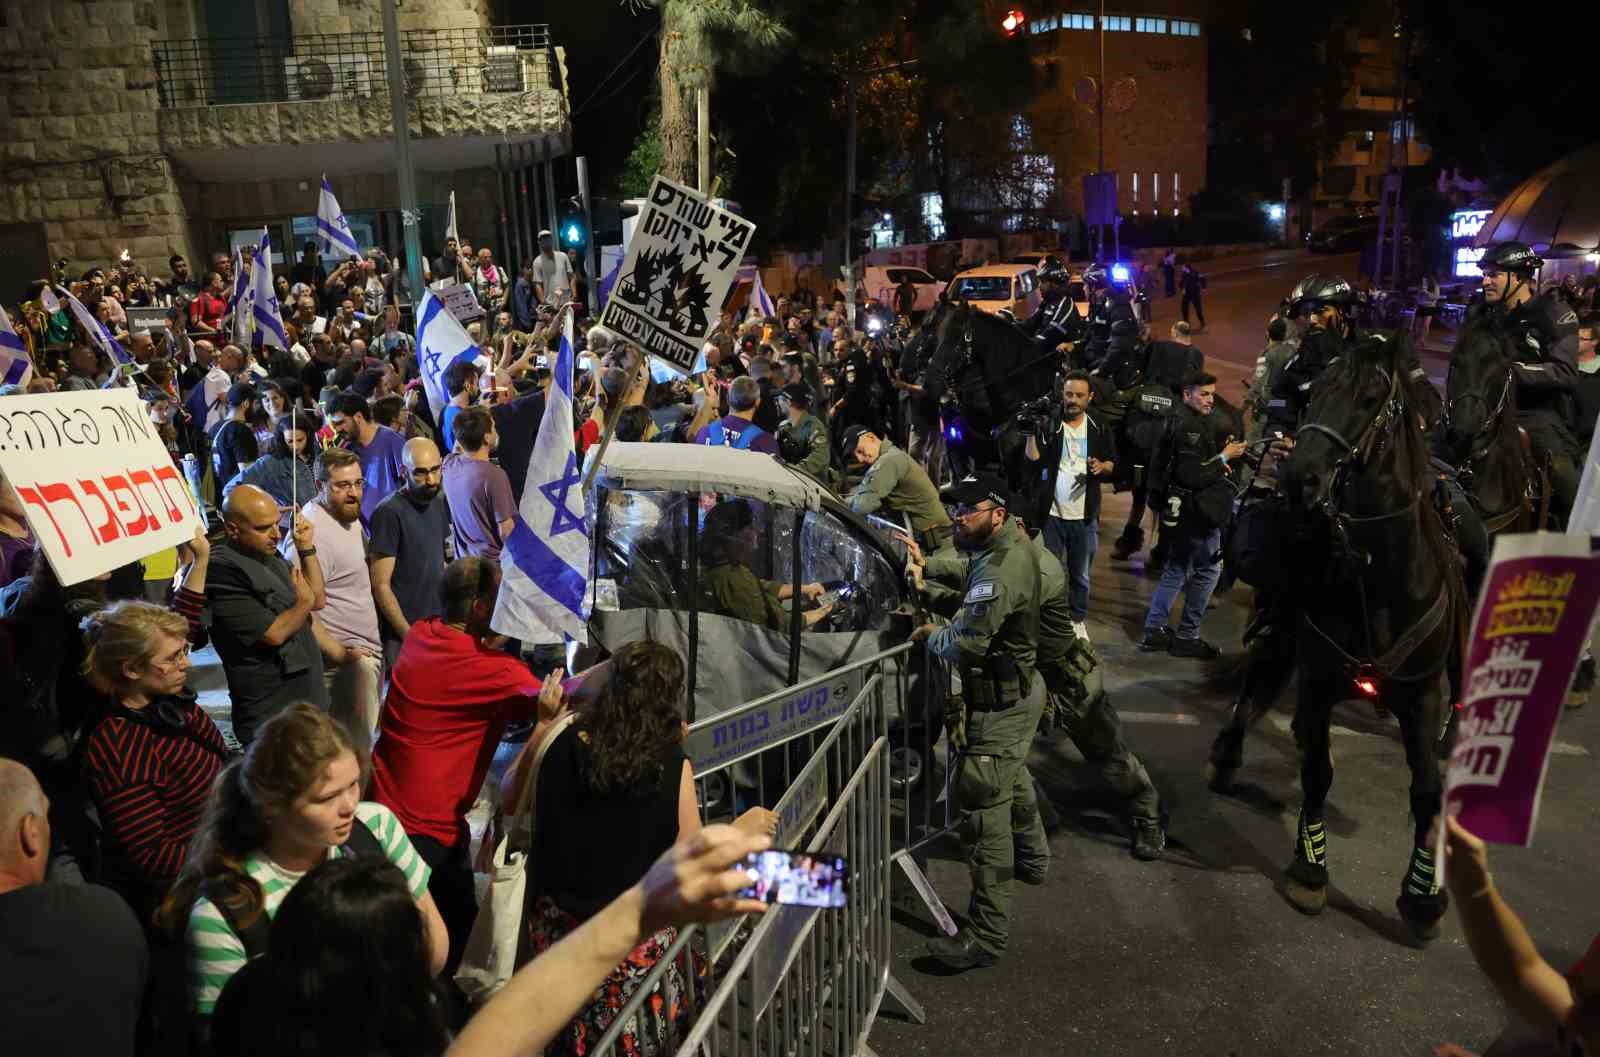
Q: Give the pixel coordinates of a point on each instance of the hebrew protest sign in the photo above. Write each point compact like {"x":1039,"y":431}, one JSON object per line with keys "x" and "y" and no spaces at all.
{"x":94,"y":478}
{"x":681,"y":261}
{"x":1532,"y":621}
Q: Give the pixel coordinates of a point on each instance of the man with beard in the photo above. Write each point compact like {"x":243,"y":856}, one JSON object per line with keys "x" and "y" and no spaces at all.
{"x":993,"y":642}
{"x":346,"y":622}
{"x":1324,"y":301}
{"x":407,"y":548}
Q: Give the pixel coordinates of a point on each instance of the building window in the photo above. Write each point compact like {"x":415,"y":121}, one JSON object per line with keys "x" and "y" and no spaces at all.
{"x":1177,"y":197}
{"x":1134,"y":189}
{"x":1181,"y":28}
{"x":1118,"y":23}
{"x":1150,"y":25}
{"x":1045,"y":25}
{"x":1073,"y":20}
{"x":1155,"y":187}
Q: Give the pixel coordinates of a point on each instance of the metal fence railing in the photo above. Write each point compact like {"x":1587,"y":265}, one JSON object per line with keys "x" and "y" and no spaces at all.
{"x":847,"y":762}
{"x":348,"y":67}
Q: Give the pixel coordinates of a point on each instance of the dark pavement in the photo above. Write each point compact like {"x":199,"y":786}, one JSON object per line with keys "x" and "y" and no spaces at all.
{"x":1200,"y":953}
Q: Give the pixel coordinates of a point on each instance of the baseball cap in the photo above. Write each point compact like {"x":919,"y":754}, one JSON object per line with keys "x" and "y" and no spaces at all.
{"x":240,"y":392}
{"x":544,"y":233}
{"x":852,"y":437}
{"x":975,"y":488}
{"x":801,"y":395}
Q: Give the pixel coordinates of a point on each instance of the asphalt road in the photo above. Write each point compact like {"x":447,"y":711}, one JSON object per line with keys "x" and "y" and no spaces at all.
{"x":1200,"y":954}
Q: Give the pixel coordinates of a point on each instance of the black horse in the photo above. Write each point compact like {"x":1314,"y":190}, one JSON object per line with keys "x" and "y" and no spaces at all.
{"x":1379,"y":593}
{"x":984,"y":369}
{"x":1481,"y":428}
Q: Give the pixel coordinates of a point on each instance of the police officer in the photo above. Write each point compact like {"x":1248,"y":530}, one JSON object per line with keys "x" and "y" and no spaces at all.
{"x":993,"y":643}
{"x":803,"y":439}
{"x":1545,"y":335}
{"x":896,"y":484}
{"x":1326,"y":303}
{"x":1056,"y":321}
{"x":1075,"y":694}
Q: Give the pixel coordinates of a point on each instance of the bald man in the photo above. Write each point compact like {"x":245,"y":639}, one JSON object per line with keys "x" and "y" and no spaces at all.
{"x":73,"y":955}
{"x":259,"y":608}
{"x":406,"y":551}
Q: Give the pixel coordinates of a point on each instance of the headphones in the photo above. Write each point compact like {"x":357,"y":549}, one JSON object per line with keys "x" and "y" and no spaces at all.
{"x":166,"y":716}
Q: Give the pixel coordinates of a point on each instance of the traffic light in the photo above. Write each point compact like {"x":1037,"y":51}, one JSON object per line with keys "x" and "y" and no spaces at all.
{"x":574,"y":233}
{"x":1013,"y":22}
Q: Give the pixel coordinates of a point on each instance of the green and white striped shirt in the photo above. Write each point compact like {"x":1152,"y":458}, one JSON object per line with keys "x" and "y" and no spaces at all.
{"x":215,"y":950}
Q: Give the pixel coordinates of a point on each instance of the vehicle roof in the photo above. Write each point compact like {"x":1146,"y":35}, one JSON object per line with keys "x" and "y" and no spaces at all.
{"x":708,"y":468}
{"x":1012,"y":270}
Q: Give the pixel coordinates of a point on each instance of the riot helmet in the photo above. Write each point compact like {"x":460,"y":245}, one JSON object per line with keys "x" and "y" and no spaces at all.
{"x":1316,"y":290}
{"x":1515,"y":257}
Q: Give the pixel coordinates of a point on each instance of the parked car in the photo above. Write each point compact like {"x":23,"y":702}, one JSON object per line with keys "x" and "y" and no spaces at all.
{"x":1342,"y":234}
{"x":880,"y":283}
{"x":1012,"y":288}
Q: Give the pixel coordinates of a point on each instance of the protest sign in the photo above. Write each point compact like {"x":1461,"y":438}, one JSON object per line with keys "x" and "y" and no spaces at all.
{"x":681,"y":260}
{"x":94,"y":478}
{"x":152,"y":318}
{"x":460,"y":302}
{"x":1533,"y":618}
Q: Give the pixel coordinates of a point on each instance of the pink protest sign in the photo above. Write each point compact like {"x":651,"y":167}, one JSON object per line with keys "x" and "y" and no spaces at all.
{"x":1532,"y":621}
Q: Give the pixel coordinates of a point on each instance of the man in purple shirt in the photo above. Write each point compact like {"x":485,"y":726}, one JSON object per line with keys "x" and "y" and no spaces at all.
{"x":378,"y":447}
{"x":737,"y":428}
{"x":479,"y":492}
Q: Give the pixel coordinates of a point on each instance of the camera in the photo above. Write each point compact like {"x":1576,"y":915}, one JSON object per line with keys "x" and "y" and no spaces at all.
{"x":1030,"y":415}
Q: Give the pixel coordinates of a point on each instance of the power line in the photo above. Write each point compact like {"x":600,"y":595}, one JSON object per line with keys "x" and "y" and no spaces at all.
{"x":649,"y":34}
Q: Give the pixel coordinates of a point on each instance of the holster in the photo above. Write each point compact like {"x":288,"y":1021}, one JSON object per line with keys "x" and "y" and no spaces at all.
{"x":995,"y":687}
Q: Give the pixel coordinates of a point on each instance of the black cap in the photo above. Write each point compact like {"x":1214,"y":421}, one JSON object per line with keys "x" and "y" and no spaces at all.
{"x":240,"y":392}
{"x":852,"y":437}
{"x":975,"y":488}
{"x":798,"y":393}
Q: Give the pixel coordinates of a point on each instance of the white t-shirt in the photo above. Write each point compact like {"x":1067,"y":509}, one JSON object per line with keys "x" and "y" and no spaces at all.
{"x":350,"y":615}
{"x":554,"y":273}
{"x":217,"y":383}
{"x":1074,"y":463}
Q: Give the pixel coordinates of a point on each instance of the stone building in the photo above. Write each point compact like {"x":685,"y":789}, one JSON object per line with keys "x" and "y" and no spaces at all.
{"x":184,"y":126}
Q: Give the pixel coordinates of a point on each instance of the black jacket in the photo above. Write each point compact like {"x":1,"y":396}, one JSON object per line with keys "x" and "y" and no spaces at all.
{"x":1586,"y":408}
{"x":1187,"y":459}
{"x":1041,"y":482}
{"x":1167,"y":362}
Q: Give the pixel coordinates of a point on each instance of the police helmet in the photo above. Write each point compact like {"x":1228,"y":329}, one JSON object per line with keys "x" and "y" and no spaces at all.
{"x":1318,"y":290}
{"x":1514,"y":257}
{"x":1052,"y":271}
{"x":1095,"y":275}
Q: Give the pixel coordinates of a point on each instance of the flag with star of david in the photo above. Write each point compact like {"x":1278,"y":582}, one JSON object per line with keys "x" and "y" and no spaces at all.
{"x":266,"y":315}
{"x":440,"y":342}
{"x":544,"y":589}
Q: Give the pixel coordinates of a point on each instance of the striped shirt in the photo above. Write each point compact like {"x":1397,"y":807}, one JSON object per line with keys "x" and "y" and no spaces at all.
{"x":150,"y":787}
{"x":215,"y":950}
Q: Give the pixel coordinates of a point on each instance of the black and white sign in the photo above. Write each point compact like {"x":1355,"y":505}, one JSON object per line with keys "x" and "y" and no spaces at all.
{"x":683,"y":257}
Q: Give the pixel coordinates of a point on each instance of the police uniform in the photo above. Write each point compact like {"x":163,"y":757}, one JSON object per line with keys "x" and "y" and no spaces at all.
{"x":805,"y":444}
{"x":894,"y":482}
{"x":733,"y":590}
{"x":993,"y":643}
{"x":1075,"y":695}
{"x":1056,"y":320}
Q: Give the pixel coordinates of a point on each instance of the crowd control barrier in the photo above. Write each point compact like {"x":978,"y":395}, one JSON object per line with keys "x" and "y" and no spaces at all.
{"x":852,"y":753}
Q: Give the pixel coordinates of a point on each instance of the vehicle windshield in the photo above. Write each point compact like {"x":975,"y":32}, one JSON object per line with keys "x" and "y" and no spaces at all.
{"x":982,"y":288}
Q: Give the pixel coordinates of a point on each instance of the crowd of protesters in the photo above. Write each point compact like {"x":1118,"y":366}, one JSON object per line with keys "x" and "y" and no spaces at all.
{"x":305,"y":885}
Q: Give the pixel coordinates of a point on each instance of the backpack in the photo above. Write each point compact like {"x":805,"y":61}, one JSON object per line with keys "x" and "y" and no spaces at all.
{"x":363,"y":844}
{"x":1151,"y":408}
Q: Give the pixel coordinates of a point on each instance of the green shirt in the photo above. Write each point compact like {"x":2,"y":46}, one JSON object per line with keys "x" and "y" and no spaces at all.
{"x":216,"y":952}
{"x":996,"y":618}
{"x":945,"y":571}
{"x":734,"y":591}
{"x":897,"y":484}
{"x":814,"y":435}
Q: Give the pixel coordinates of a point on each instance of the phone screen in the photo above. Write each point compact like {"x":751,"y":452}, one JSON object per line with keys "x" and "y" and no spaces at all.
{"x":797,"y":878}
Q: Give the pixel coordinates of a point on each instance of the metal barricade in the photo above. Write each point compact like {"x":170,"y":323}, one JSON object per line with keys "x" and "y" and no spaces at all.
{"x":800,"y":980}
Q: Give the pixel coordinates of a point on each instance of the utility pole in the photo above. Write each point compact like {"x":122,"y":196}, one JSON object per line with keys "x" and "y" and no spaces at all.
{"x":702,"y":101}
{"x":850,"y":199}
{"x":591,"y":246}
{"x":1100,"y":119}
{"x":410,"y":215}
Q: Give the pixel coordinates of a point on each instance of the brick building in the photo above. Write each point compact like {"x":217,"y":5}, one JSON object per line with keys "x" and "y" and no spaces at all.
{"x":184,"y":126}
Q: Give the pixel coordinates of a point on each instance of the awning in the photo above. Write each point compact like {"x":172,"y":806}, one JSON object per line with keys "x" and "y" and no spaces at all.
{"x":1559,"y":206}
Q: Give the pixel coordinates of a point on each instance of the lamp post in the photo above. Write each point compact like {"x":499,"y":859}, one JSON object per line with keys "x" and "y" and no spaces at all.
{"x":410,"y":215}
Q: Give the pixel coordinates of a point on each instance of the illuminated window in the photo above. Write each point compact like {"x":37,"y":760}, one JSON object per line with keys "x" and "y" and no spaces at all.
{"x":1181,"y":28}
{"x":1150,"y":25}
{"x":1045,"y":25}
{"x":1077,"y":21}
{"x":1155,"y":187}
{"x":1135,"y":189}
{"x":1118,"y":23}
{"x":1176,"y":196}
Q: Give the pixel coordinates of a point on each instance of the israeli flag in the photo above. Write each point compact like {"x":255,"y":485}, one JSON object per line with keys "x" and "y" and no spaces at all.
{"x":450,"y":221}
{"x":333,"y":230}
{"x":266,"y":316}
{"x":440,"y":342}
{"x":545,"y":564}
{"x":96,"y":331}
{"x":759,"y":298}
{"x":15,"y":366}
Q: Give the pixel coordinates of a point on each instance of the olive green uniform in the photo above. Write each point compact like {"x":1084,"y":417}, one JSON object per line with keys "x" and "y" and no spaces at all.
{"x":894,"y":482}
{"x":813,"y":435}
{"x":734,"y":591}
{"x":1075,"y":695}
{"x":992,"y":642}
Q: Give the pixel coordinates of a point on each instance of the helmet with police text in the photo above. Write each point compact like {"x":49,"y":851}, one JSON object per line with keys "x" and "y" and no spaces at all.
{"x":1052,"y":270}
{"x":1095,"y":275}
{"x":1317,"y":290}
{"x":1515,"y":257}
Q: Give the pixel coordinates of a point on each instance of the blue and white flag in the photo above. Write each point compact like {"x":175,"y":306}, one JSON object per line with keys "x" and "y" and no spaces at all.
{"x":240,"y":301}
{"x":96,"y":331}
{"x":266,"y":316}
{"x":450,"y":221}
{"x":333,"y":230}
{"x":440,"y":342}
{"x":545,"y":564}
{"x":15,"y":366}
{"x":759,"y":298}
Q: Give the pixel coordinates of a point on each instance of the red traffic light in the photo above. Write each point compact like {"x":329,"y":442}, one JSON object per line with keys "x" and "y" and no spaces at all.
{"x":1012,"y":23}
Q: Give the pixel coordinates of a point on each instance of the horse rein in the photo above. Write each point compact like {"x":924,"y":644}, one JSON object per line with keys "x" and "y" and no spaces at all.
{"x":1367,"y":446}
{"x":1483,"y":443}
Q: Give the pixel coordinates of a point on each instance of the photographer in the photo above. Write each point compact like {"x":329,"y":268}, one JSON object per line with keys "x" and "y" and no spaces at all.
{"x":1076,"y":456}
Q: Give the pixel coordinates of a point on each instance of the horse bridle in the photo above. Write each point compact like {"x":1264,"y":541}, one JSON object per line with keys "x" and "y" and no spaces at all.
{"x":1485,"y":437}
{"x":1368,"y":446}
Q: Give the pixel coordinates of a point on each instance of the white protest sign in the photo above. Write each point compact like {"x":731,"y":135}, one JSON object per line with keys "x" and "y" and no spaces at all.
{"x":94,"y":478}
{"x":460,"y":301}
{"x":683,"y":257}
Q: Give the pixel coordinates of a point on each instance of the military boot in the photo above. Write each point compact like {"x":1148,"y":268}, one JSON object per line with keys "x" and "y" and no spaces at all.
{"x":960,"y":952}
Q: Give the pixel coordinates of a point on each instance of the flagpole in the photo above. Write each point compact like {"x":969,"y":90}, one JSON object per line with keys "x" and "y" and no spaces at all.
{"x":611,"y":420}
{"x":410,"y":215}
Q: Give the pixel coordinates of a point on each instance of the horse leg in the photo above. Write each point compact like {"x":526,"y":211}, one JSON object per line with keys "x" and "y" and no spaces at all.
{"x":1268,"y":667}
{"x":1422,"y":901}
{"x":1306,"y":879}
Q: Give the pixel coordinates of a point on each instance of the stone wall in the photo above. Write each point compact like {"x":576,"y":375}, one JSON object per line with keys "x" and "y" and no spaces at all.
{"x":308,"y":17}
{"x":79,"y":144}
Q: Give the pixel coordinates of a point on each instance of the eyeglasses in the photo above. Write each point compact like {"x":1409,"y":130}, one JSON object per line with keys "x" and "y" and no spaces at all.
{"x":962,"y":512}
{"x":168,"y":663}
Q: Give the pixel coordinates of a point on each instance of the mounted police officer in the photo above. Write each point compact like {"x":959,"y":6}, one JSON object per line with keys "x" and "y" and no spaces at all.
{"x":1544,"y":331}
{"x":1326,"y":303}
{"x":993,"y":642}
{"x":1056,"y":321}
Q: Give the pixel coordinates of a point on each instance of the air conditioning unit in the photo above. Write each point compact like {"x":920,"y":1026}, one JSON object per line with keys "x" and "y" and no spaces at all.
{"x":503,"y":70}
{"x":428,"y":73}
{"x":343,"y":77}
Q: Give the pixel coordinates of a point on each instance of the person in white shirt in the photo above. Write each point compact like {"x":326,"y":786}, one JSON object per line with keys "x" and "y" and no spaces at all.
{"x":1076,"y":459}
{"x":552,"y":272}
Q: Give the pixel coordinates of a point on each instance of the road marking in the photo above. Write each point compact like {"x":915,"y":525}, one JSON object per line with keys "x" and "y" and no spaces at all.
{"x":1177,"y":719}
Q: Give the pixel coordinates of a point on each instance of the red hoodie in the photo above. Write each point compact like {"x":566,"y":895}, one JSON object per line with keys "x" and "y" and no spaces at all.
{"x":448,"y":703}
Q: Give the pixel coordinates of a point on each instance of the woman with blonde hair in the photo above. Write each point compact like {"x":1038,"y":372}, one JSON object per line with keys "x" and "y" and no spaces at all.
{"x":292,"y":801}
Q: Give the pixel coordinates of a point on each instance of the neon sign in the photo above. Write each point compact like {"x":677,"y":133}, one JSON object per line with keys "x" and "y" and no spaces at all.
{"x":1466,"y":223}
{"x":1467,"y":261}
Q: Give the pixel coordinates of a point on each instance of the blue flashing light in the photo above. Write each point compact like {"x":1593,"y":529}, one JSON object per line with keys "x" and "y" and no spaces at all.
{"x":1119,"y":273}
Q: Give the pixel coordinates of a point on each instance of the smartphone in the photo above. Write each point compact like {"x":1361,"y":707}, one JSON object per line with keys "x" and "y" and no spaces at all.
{"x":541,"y":362}
{"x":797,"y":878}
